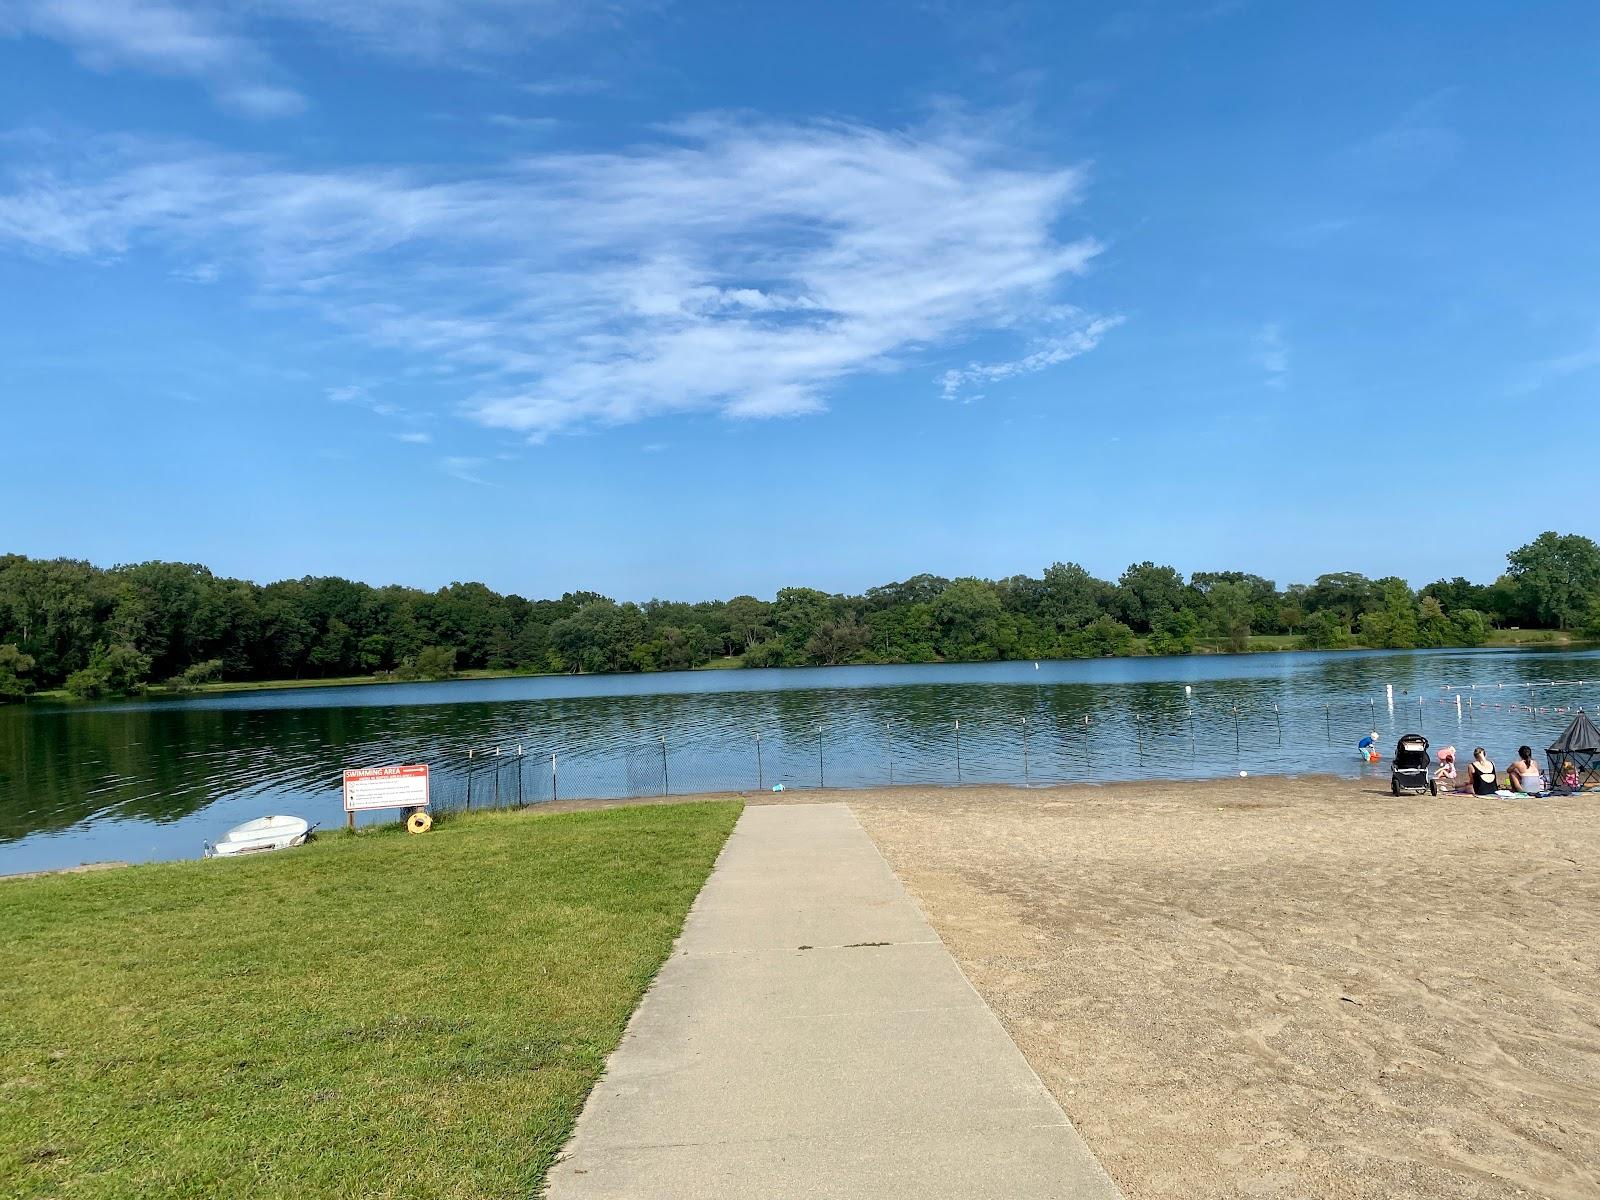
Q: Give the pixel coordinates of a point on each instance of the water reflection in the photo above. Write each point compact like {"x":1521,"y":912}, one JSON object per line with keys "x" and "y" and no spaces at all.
{"x":153,"y":779}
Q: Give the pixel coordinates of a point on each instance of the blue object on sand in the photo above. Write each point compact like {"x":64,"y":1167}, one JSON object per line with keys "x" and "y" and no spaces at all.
{"x":777,"y":787}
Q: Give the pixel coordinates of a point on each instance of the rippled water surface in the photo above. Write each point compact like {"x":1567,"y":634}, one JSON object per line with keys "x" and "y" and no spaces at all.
{"x":154,"y":779}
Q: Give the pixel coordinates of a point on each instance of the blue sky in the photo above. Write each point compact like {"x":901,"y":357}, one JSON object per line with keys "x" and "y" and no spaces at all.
{"x":694,"y":299}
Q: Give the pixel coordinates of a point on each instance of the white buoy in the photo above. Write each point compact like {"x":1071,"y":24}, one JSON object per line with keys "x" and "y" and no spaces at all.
{"x":1244,"y":774}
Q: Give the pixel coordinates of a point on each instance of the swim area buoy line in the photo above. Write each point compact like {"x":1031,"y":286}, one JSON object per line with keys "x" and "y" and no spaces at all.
{"x":419,"y":822}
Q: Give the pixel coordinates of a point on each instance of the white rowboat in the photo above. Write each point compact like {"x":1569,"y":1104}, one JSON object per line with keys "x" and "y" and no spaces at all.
{"x":264,"y":833}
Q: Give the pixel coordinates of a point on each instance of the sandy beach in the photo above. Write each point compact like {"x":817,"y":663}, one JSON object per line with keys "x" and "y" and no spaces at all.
{"x":1283,"y":988}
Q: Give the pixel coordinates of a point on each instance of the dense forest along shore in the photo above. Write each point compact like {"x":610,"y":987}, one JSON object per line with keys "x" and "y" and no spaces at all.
{"x":71,"y":628}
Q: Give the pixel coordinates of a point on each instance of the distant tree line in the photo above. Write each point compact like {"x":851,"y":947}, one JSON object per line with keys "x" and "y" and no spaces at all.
{"x":104,"y":631}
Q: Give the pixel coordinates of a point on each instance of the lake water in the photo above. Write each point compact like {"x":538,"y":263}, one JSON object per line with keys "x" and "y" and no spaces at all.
{"x":155,"y":779}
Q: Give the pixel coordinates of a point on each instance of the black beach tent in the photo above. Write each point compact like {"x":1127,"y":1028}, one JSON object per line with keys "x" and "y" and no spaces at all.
{"x":1579,"y":745}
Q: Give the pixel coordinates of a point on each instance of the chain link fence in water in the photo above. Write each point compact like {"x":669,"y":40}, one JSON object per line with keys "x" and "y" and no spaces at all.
{"x":1179,"y":737}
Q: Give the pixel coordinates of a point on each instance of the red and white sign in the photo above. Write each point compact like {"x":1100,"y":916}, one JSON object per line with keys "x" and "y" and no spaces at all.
{"x":386,"y":787}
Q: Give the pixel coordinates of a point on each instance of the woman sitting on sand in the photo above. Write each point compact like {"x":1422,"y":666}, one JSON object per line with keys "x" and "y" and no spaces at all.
{"x":1484,"y":780}
{"x":1524,"y":774}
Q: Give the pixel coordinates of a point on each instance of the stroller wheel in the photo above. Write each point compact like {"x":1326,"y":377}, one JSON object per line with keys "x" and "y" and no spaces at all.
{"x":1394,"y":786}
{"x":1433,"y":786}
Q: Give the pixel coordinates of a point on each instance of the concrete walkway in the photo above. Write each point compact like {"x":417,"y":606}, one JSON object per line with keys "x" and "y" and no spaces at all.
{"x":812,"y":1037}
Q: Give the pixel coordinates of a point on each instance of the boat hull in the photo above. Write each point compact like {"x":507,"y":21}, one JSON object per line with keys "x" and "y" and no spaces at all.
{"x":260,"y":836}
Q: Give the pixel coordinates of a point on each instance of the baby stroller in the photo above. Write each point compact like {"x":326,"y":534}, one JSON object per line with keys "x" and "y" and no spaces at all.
{"x":1408,"y":774}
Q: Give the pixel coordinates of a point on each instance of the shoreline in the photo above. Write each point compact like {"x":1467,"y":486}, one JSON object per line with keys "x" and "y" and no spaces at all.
{"x":1502,"y":639}
{"x":1217,"y":790}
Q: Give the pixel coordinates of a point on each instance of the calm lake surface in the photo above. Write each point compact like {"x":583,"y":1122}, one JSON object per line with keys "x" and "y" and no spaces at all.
{"x":155,"y":779}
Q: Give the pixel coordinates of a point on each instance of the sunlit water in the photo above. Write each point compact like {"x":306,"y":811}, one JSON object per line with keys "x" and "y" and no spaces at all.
{"x":155,"y":779}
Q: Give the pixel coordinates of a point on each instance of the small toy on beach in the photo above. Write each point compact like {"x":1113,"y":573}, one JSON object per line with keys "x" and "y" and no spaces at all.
{"x":777,"y":787}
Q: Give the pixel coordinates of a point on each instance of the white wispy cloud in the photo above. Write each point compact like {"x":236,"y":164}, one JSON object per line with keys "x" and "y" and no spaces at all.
{"x":521,"y":124}
{"x":415,"y":438}
{"x":361,"y":396}
{"x":464,"y":468}
{"x":571,"y":85}
{"x":1047,"y":352}
{"x":228,"y":46}
{"x":1548,"y":370}
{"x":189,"y":41}
{"x":1271,"y":354}
{"x":733,"y":266}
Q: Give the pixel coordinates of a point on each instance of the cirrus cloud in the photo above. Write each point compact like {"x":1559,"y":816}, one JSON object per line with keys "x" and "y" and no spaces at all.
{"x":735,"y":266}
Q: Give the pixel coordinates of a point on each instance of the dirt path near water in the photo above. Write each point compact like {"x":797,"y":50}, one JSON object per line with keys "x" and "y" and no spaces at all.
{"x":1284,"y":988}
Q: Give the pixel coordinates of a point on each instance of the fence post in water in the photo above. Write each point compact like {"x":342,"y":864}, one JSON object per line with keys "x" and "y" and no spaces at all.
{"x":822,"y":778}
{"x":519,"y":775}
{"x":761,"y":777}
{"x":497,"y":777}
{"x":555,"y":794}
{"x":1138,"y":736}
{"x":1236,"y":729}
{"x":1025,"y":780}
{"x":469,"y":780}
{"x":1327,"y":716}
{"x":888,"y":743}
{"x":958,"y":753}
{"x":1088,"y":760}
{"x":666,"y":781}
{"x":1189,"y":710}
{"x":1278,"y":717}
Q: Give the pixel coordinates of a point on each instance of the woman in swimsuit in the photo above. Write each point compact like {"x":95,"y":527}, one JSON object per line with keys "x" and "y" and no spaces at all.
{"x":1524,"y":773}
{"x":1484,"y":782}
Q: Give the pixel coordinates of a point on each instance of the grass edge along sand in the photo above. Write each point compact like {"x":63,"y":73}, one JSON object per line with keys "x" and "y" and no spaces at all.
{"x":375,"y":1015}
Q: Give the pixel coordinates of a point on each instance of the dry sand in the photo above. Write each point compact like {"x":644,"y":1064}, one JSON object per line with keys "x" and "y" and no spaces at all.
{"x":1283,"y":988}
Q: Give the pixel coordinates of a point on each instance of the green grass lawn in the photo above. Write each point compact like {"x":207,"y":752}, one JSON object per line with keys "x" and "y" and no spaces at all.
{"x":1532,"y":637}
{"x":372,"y":1015}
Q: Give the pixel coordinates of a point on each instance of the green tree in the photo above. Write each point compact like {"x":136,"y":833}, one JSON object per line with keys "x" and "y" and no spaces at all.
{"x":797,"y":615}
{"x":1070,"y":597}
{"x":1232,"y":609}
{"x":1347,"y":594}
{"x":838,"y":642}
{"x":1146,"y":592}
{"x":1400,"y":613}
{"x":112,"y":671}
{"x":1174,"y":632}
{"x":749,"y":622}
{"x":195,"y":674}
{"x":967,"y":619}
{"x":436,"y":662}
{"x":1591,"y":621}
{"x":1434,"y":628}
{"x":15,"y":667}
{"x":1103,"y":637}
{"x":1325,"y":631}
{"x":1472,"y":627}
{"x":1556,"y":577}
